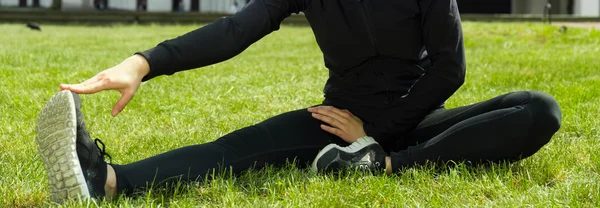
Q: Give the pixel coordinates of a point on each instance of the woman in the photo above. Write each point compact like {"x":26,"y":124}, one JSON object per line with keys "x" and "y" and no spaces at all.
{"x":392,"y":66}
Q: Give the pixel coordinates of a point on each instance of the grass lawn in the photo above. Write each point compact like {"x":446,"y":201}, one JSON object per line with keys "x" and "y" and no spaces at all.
{"x":284,"y":72}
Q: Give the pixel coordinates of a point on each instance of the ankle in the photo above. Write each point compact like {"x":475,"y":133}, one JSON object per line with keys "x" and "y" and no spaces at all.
{"x":388,"y":165}
{"x":110,"y":188}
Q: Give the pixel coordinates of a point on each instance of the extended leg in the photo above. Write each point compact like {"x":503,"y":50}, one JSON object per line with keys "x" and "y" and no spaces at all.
{"x":291,"y":136}
{"x":76,"y":167}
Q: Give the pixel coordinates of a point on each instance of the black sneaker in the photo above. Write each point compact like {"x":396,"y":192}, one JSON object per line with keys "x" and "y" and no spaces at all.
{"x":73,"y":162}
{"x":365,"y":154}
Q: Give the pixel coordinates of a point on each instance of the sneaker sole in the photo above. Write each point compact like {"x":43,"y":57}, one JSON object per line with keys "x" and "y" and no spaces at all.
{"x":56,"y":138}
{"x":352,"y":148}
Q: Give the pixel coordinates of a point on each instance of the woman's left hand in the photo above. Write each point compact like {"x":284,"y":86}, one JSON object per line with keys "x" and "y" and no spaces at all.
{"x":342,"y":123}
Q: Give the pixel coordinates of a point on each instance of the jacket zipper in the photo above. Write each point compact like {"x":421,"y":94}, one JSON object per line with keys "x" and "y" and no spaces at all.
{"x":367,"y":22}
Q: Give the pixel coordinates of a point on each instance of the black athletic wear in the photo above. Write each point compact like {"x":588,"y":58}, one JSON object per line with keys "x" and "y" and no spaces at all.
{"x":505,"y":128}
{"x":392,"y":63}
{"x":373,"y":49}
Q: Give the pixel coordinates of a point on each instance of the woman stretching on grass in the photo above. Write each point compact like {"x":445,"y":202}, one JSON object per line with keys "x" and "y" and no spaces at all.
{"x":392,"y":65}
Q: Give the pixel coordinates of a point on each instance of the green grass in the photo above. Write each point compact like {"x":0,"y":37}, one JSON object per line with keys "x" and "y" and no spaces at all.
{"x":284,"y":72}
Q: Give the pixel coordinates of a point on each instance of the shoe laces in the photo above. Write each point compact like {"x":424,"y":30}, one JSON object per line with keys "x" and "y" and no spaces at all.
{"x":102,"y":150}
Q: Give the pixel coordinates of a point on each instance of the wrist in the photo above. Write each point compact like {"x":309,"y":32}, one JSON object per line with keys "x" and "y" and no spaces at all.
{"x":141,"y":66}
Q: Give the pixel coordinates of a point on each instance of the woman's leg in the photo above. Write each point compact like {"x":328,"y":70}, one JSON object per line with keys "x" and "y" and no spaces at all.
{"x":506,"y":128}
{"x":293,"y":136}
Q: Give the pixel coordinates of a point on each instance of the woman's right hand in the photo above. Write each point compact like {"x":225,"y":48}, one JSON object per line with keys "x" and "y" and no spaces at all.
{"x":125,"y":78}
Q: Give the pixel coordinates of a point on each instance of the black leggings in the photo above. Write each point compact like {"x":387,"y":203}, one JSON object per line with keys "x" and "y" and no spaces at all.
{"x":506,"y":128}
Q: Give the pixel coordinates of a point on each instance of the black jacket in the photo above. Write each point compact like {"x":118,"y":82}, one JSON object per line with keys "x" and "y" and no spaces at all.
{"x":391,"y":62}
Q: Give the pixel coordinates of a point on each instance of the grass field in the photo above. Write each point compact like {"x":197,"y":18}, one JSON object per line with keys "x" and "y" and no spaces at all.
{"x":285,"y":72}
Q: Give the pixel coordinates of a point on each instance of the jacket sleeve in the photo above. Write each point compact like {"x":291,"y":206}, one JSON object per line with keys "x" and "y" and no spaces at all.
{"x":443,"y":39}
{"x":220,"y":40}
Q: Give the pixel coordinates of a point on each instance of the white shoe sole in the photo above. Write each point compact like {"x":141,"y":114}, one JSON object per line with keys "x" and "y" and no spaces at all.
{"x":56,"y":138}
{"x":352,"y":148}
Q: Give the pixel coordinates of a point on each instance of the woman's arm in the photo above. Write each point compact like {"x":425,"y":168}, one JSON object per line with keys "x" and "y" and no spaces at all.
{"x":220,"y":40}
{"x":443,"y":38}
{"x":213,"y":43}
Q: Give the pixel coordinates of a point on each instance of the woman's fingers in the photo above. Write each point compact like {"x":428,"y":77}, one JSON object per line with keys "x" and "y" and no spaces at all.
{"x":91,"y":88}
{"x":123,"y":101}
{"x":80,"y":85}
{"x":94,"y":79}
{"x":342,"y":114}
{"x":341,"y":123}
{"x":70,"y":86}
{"x":331,"y":112}
{"x":125,"y":77}
{"x":328,"y":120}
{"x":334,"y":131}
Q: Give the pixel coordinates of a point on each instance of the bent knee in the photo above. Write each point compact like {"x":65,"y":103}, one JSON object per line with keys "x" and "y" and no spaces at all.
{"x":546,"y":118}
{"x":545,"y":111}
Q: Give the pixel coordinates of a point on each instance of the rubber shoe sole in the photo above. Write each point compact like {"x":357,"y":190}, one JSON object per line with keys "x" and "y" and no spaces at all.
{"x":352,"y":148}
{"x":56,"y":139}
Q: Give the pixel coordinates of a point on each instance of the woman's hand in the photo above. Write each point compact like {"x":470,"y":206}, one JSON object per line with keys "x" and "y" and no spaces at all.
{"x":342,"y":123}
{"x":125,"y":77}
